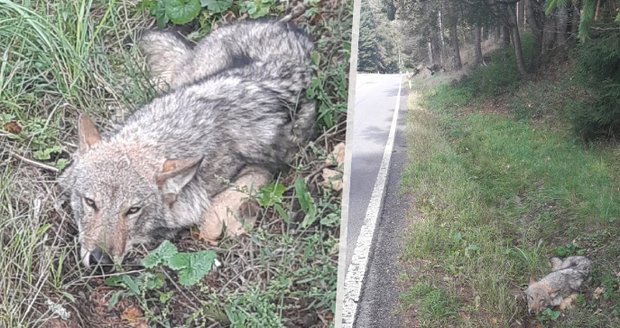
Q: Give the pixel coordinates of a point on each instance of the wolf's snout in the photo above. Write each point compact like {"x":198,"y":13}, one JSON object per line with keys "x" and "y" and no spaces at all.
{"x":98,"y":257}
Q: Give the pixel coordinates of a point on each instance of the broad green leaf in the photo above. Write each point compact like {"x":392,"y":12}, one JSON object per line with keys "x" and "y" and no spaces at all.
{"x":160,"y":255}
{"x":270,"y":194}
{"x":192,"y":267}
{"x":46,"y":153}
{"x":282,"y":213}
{"x":61,"y":163}
{"x":131,"y":284}
{"x":182,"y":11}
{"x":165,"y":297}
{"x":153,"y":281}
{"x":124,"y":281}
{"x":306,"y":202}
{"x":330,"y":220}
{"x":216,"y":6}
{"x":114,"y":281}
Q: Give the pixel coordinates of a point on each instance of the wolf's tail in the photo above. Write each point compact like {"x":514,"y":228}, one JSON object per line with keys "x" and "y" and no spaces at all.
{"x":166,"y":54}
{"x":579,"y":263}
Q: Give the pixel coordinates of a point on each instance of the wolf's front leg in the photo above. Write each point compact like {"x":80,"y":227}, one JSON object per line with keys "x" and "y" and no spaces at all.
{"x":232,"y":208}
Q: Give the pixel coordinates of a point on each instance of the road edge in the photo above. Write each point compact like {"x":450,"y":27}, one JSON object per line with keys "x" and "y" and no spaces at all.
{"x":359,"y":263}
{"x":344,"y":215}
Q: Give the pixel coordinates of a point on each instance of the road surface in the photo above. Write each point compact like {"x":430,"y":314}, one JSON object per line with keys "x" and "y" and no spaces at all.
{"x":370,"y":289}
{"x":375,"y":99}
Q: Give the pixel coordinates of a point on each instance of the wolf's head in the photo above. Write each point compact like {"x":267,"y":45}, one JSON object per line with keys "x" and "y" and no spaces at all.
{"x":121,"y":194}
{"x":539,"y":296}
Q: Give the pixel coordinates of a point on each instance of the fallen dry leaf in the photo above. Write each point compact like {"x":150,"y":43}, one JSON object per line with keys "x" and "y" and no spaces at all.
{"x":133,"y":316}
{"x":332,"y":179}
{"x":336,"y":157}
{"x":598,"y":292}
{"x":13,"y":127}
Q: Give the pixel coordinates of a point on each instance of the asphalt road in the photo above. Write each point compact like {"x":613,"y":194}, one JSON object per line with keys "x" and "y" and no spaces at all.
{"x":375,"y":99}
{"x":378,"y":304}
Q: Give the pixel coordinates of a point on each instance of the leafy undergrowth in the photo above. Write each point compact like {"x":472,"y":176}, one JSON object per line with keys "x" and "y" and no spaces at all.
{"x":501,"y":185}
{"x":62,"y":57}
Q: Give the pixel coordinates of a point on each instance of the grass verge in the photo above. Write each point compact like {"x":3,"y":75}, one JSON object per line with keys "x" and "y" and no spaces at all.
{"x":499,"y":191}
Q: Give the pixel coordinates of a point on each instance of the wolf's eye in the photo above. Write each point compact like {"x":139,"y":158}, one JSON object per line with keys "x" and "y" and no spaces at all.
{"x":90,"y":203}
{"x":133,"y":210}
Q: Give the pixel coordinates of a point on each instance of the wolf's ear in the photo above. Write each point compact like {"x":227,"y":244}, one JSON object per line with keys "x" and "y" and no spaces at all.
{"x":176,"y":173}
{"x":553,"y":292}
{"x":87,"y":133}
{"x":532,"y":280}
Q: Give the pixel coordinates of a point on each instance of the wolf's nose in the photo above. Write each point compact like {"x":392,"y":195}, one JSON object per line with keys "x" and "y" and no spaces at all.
{"x":99,"y":258}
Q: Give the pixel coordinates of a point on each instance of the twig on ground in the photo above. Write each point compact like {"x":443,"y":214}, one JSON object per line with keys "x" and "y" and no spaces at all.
{"x":35,"y":163}
{"x":315,"y":172}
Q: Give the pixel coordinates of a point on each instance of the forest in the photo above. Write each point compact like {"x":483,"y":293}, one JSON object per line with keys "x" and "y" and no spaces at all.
{"x":416,"y":35}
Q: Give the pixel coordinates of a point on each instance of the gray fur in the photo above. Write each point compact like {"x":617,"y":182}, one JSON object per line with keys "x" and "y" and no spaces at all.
{"x":219,"y":116}
{"x":566,"y":278}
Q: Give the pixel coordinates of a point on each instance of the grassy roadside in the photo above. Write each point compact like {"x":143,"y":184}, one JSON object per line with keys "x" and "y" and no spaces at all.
{"x":68,"y":56}
{"x":500,"y":187}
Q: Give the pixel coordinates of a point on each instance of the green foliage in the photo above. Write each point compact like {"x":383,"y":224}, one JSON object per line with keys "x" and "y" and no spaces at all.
{"x":568,"y":250}
{"x":330,"y":85}
{"x":378,"y":41}
{"x":586,"y":18}
{"x":190,"y":267}
{"x":435,"y":306}
{"x":548,"y":315}
{"x":598,"y":70}
{"x":205,"y":12}
{"x":306,"y":202}
{"x":253,"y":308}
{"x":552,"y":5}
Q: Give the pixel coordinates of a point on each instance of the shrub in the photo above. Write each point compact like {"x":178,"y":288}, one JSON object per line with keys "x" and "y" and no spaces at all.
{"x":598,"y":70}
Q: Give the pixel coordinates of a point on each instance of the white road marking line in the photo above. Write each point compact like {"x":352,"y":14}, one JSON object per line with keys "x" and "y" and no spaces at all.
{"x":357,"y":269}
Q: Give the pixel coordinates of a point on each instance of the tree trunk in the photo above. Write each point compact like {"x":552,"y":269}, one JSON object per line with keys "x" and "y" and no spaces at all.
{"x":521,"y":13}
{"x":535,"y":21}
{"x":549,"y":34}
{"x":436,"y":50}
{"x":430,"y":52}
{"x":516,"y":39}
{"x":452,"y":21}
{"x":574,"y":18}
{"x":498,"y":33}
{"x":477,"y":45}
{"x":562,"y":24}
{"x":505,"y":35}
{"x":441,"y":34}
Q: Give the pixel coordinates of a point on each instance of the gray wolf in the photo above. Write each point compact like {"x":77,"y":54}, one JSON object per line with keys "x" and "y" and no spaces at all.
{"x":231,"y":109}
{"x":558,"y":287}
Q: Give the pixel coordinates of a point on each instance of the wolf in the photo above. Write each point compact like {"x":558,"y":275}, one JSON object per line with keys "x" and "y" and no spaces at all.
{"x":232,"y":108}
{"x":558,"y":287}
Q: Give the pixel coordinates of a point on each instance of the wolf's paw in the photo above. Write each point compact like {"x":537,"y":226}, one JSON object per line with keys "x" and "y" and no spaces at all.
{"x":567,"y":303}
{"x":249,"y":210}
{"x":211,"y":229}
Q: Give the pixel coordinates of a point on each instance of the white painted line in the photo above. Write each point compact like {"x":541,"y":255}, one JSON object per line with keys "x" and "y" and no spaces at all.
{"x":344,"y":214}
{"x":357,"y":269}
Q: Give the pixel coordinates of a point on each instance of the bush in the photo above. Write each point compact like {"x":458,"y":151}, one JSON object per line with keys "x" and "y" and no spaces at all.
{"x":598,"y":70}
{"x":501,"y":75}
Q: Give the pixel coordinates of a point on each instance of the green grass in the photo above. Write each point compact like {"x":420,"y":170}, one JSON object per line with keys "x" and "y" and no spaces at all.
{"x":64,"y":57}
{"x":500,"y":192}
{"x":436,"y":306}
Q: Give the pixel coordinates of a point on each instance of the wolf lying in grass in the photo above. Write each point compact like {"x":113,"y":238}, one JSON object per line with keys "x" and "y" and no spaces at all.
{"x":232,"y":108}
{"x":558,"y":287}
